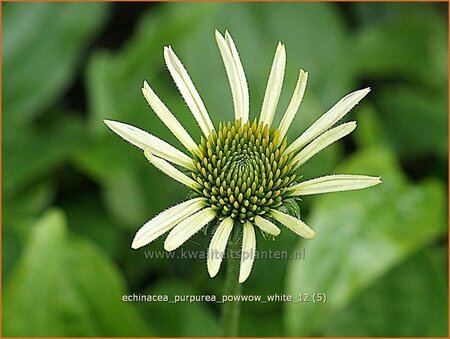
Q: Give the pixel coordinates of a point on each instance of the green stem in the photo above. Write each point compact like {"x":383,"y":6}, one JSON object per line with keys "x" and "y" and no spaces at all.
{"x":231,"y":309}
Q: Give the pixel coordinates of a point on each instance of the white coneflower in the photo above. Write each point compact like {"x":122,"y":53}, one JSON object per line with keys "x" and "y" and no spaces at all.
{"x":242,"y":172}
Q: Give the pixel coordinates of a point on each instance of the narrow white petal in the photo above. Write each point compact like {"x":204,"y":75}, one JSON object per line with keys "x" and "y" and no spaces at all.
{"x":187,"y":228}
{"x":233,"y":77}
{"x":294,"y":104}
{"x":334,"y":183}
{"x":248,"y":251}
{"x":266,"y":226}
{"x":236,"y":75}
{"x":168,"y":118}
{"x":274,"y":85}
{"x":188,"y":91}
{"x":145,"y":140}
{"x":165,"y":221}
{"x":217,"y":247}
{"x":295,"y":225}
{"x":171,"y":171}
{"x":323,"y":141}
{"x":242,"y":78}
{"x":328,"y":119}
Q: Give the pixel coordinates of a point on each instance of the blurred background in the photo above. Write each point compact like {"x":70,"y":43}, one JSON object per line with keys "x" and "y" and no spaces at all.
{"x":74,"y":194}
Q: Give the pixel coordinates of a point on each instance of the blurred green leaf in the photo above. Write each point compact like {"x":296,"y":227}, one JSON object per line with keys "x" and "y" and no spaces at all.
{"x":412,"y":47}
{"x":10,"y":252}
{"x":86,"y":211}
{"x":368,"y":14}
{"x":31,"y":201}
{"x":360,"y":236}
{"x":18,"y":214}
{"x":42,"y":44}
{"x":183,"y":319}
{"x":65,"y":286}
{"x":415,"y":121}
{"x":371,"y":131}
{"x":410,"y":301}
{"x":33,"y":152}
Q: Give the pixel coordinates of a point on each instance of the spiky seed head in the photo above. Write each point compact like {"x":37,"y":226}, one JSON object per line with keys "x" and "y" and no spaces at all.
{"x":243,"y":170}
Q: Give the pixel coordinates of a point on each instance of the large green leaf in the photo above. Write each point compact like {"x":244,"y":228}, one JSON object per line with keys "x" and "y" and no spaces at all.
{"x":409,"y":301}
{"x":66,"y":286}
{"x":41,"y":44}
{"x":360,"y":236}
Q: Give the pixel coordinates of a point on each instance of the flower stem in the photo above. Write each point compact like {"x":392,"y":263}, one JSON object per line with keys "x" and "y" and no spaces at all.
{"x":231,"y":309}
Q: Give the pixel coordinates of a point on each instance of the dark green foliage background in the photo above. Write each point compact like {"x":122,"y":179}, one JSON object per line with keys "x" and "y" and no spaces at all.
{"x":74,"y":194}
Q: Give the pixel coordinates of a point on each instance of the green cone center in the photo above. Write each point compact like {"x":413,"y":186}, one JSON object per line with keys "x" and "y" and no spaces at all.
{"x":242,"y":170}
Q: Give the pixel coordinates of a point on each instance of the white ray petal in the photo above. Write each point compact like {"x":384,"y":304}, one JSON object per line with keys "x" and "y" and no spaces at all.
{"x":334,"y":183}
{"x":168,"y":118}
{"x":236,"y":75}
{"x":295,"y":225}
{"x":267,"y":226}
{"x":328,"y":119}
{"x":294,"y":104}
{"x":188,"y":90}
{"x":274,"y":85}
{"x":165,"y":221}
{"x":217,"y":247}
{"x":241,"y":75}
{"x":323,"y":141}
{"x":171,"y":171}
{"x":188,"y":227}
{"x":144,"y":140}
{"x":248,"y":251}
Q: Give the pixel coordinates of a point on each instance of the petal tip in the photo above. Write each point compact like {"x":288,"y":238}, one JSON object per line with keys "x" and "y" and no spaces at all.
{"x":169,"y":246}
{"x":311,"y":235}
{"x":228,"y":36}
{"x":136,"y":244}
{"x":167,"y":50}
{"x":242,"y":279}
{"x":365,"y":91}
{"x":212,"y":271}
{"x":113,"y":125}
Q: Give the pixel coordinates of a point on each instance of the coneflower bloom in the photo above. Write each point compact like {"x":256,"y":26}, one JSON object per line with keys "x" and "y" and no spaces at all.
{"x":242,"y":172}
